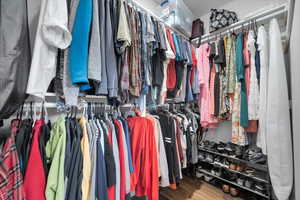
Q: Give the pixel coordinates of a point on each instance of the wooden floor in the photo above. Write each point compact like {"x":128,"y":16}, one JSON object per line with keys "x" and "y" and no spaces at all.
{"x":194,"y":190}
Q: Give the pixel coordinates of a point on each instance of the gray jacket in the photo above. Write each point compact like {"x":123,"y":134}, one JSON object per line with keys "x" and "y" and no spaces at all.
{"x":14,"y":55}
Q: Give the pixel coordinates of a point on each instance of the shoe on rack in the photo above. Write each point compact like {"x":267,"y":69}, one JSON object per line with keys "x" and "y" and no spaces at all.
{"x":228,"y":149}
{"x":226,"y":188}
{"x":239,"y":168}
{"x":260,"y":188}
{"x":208,"y":178}
{"x":219,"y":172}
{"x":226,"y":163}
{"x":248,"y":183}
{"x":213,"y":171}
{"x":240,"y":181}
{"x":221,"y":147}
{"x":233,"y":166}
{"x":217,"y":161}
{"x":249,"y":171}
{"x":252,"y":152}
{"x":234,"y":192}
{"x":209,"y":158}
{"x":212,"y":146}
{"x":239,"y":151}
{"x":230,"y":176}
{"x":206,"y":144}
{"x":199,"y":174}
{"x":258,"y":158}
{"x":201,"y":156}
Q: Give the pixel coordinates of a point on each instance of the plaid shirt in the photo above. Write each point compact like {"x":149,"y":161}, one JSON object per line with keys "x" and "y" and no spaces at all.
{"x":11,"y":180}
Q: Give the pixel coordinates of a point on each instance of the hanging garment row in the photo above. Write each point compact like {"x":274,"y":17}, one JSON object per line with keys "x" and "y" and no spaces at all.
{"x":116,"y":50}
{"x":243,"y":79}
{"x":100,"y":47}
{"x":99,"y":155}
{"x":233,"y":78}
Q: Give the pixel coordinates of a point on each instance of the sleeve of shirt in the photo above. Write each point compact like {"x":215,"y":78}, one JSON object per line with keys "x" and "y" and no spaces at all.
{"x":123,"y":29}
{"x":176,"y":42}
{"x":55,"y":26}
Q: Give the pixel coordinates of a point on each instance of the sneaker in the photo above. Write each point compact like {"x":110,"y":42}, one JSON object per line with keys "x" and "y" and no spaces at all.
{"x":226,"y":188}
{"x":199,"y":174}
{"x":219,"y":173}
{"x":201,"y":156}
{"x":221,"y":147}
{"x":217,"y":161}
{"x":234,"y":192}
{"x":240,"y":181}
{"x":232,"y":166}
{"x":248,"y":183}
{"x":209,"y":158}
{"x":260,"y":188}
{"x":208,"y":178}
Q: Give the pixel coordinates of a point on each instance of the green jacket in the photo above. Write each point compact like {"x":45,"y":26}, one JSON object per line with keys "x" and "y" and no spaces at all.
{"x":55,"y":151}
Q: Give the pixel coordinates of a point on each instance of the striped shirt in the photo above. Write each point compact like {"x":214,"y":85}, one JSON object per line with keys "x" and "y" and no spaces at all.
{"x":11,"y":180}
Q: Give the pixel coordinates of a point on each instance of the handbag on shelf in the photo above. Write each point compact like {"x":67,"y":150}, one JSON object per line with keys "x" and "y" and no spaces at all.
{"x":197,"y":30}
{"x":220,"y":18}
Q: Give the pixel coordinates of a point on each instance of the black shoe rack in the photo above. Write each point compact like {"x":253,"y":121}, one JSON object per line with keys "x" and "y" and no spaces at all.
{"x":261,"y":174}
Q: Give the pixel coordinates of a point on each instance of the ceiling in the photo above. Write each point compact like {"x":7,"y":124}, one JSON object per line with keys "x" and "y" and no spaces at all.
{"x":201,"y":7}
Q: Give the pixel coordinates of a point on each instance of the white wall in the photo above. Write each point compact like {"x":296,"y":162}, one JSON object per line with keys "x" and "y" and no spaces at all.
{"x":295,"y":81}
{"x":151,"y":5}
{"x":245,"y":8}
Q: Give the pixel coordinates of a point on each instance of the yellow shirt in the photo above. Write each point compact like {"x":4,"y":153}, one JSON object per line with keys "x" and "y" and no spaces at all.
{"x":85,"y":148}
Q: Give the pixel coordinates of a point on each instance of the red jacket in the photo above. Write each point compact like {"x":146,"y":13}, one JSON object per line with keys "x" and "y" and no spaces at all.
{"x":171,"y":78}
{"x":111,"y":191}
{"x":35,"y":178}
{"x":144,"y":180}
{"x":122,"y":160}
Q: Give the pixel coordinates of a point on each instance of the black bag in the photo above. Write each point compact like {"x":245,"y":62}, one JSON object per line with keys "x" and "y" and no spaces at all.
{"x":197,"y":29}
{"x":220,"y":18}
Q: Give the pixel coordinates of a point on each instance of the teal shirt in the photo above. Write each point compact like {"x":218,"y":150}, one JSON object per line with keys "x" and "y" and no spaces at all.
{"x":240,"y":71}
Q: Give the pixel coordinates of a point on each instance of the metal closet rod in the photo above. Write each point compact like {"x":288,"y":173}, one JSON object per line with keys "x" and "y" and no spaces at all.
{"x":260,"y":17}
{"x":152,"y":14}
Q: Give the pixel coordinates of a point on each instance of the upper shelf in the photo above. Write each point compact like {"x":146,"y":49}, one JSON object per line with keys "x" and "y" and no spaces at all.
{"x":260,"y":18}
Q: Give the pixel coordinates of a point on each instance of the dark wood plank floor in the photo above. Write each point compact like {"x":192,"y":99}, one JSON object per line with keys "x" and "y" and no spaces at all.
{"x":191,"y":189}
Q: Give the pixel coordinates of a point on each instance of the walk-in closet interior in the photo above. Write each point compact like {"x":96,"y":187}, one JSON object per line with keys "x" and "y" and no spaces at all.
{"x":149,"y":100}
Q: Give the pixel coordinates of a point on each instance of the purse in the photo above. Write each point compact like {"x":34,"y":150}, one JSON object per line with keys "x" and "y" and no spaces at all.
{"x":220,"y":18}
{"x":197,"y":30}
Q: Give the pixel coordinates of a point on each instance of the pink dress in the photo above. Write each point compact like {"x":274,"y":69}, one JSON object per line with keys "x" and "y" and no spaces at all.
{"x":207,"y":119}
{"x":252,"y":128}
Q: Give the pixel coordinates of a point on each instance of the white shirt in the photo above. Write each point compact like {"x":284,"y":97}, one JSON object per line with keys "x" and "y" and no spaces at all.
{"x":52,"y":33}
{"x":263,"y":48}
{"x":163,"y":163}
{"x":253,"y":104}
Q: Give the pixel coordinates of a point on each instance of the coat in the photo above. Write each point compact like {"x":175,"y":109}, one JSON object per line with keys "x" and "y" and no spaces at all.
{"x":14,"y":56}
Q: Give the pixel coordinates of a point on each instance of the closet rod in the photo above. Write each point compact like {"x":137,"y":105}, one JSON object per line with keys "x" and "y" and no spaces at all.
{"x":260,"y":17}
{"x":152,"y":14}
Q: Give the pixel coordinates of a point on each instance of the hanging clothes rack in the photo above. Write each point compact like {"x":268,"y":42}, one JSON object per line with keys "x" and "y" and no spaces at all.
{"x":155,"y":16}
{"x":259,"y":18}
